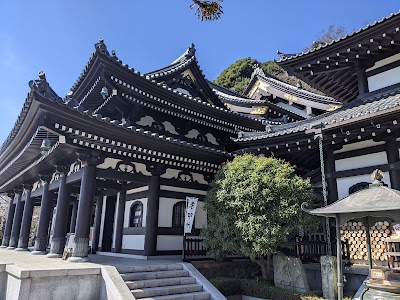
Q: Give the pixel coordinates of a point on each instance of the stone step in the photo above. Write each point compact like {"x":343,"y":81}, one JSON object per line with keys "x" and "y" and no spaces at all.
{"x":166,"y":290}
{"x":149,"y":268}
{"x":189,"y":296}
{"x":160,"y":282}
{"x":153,"y":275}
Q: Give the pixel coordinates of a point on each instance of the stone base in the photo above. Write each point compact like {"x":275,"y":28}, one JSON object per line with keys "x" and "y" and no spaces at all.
{"x":53,"y":255}
{"x":21,"y":249}
{"x":23,"y":242}
{"x":3,"y":247}
{"x":37,"y":252}
{"x":41,"y":244}
{"x":10,"y":248}
{"x":57,"y":245}
{"x":81,"y":247}
{"x":78,"y":259}
{"x":6,"y":242}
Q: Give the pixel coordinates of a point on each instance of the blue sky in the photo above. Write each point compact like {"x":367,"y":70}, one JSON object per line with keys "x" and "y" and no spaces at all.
{"x":58,"y":36}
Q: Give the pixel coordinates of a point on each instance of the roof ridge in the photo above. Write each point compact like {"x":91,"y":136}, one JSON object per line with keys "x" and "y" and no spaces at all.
{"x":284,"y":58}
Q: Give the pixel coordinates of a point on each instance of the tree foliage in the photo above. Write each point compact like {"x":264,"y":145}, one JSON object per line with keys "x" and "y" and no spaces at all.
{"x":207,"y":10}
{"x":237,"y":76}
{"x":253,"y":204}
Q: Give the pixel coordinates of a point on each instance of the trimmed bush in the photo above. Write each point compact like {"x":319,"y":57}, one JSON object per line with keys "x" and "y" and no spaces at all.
{"x":260,"y":289}
{"x":227,"y":286}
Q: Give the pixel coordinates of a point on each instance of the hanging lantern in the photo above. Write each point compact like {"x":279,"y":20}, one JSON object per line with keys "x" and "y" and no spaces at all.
{"x":45,"y":147}
{"x":104,"y":92}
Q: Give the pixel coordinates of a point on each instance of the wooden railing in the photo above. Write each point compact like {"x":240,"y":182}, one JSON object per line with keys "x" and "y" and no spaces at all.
{"x":193,"y":248}
{"x":309,"y":248}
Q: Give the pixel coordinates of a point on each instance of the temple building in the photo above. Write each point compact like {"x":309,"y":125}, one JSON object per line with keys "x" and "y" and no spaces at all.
{"x":113,"y":161}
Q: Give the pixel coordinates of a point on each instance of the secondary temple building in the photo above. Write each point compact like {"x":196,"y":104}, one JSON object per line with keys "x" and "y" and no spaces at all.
{"x":113,"y":161}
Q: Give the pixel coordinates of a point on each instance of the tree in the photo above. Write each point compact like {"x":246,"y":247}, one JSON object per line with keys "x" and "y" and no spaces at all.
{"x":326,"y":36}
{"x":253,"y":204}
{"x":207,"y":10}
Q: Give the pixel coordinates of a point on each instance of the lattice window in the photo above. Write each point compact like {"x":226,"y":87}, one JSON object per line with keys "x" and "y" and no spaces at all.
{"x":136,"y":215}
{"x":178,"y":214}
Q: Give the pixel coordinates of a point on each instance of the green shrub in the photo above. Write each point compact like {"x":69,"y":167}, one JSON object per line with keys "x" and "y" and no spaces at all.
{"x":260,"y":289}
{"x":227,"y":286}
{"x":248,"y":271}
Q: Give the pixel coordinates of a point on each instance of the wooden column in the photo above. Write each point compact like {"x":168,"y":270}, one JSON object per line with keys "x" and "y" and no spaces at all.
{"x":85,"y":205}
{"x":392,"y":152}
{"x":361,"y":79}
{"x":120,"y":221}
{"x":61,"y":218}
{"x":330,"y":170}
{"x":73,"y":216}
{"x":153,"y":202}
{"x":16,"y":226}
{"x":46,"y":206}
{"x":97,"y":223}
{"x":7,"y":228}
{"x":26,"y":220}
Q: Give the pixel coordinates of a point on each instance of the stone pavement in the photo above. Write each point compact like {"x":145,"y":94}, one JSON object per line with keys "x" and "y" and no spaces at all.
{"x":28,"y":261}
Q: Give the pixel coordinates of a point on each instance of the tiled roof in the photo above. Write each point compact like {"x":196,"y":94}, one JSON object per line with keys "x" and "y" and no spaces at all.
{"x":359,"y":108}
{"x":292,"y":56}
{"x":292,"y":90}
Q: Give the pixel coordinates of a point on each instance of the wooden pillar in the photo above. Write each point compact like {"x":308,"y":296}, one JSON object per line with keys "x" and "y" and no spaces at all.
{"x":361,"y":79}
{"x":153,"y":202}
{"x":73,"y":216}
{"x":46,"y":206}
{"x":61,"y":218}
{"x":26,"y":220}
{"x":331,"y":182}
{"x":120,"y":221}
{"x":85,"y":205}
{"x":16,"y":226}
{"x":392,"y":152}
{"x":97,"y":223}
{"x":8,"y":226}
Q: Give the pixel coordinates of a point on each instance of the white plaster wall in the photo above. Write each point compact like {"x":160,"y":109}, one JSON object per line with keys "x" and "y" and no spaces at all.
{"x":165,"y":211}
{"x":134,"y":242}
{"x":200,"y":220}
{"x":344,"y":184}
{"x":358,"y":145}
{"x":361,"y":161}
{"x":384,"y":62}
{"x":128,"y":211}
{"x":384,"y":79}
{"x":103,"y":214}
{"x":169,"y":242}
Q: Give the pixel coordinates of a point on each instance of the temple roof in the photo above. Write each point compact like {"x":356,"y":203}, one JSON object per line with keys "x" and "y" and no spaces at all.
{"x":289,"y":92}
{"x":107,"y":70}
{"x":362,"y":108}
{"x":185,"y":72}
{"x":331,"y":67}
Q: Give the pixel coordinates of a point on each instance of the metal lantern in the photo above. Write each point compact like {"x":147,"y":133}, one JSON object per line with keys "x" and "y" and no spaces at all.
{"x":45,"y":147}
{"x":104,"y":92}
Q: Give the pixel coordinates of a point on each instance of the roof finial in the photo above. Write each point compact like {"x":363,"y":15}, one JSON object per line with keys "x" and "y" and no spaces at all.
{"x":377,"y":176}
{"x":42,"y":75}
{"x":191,"y":50}
{"x":101,"y":47}
{"x":257,"y":70}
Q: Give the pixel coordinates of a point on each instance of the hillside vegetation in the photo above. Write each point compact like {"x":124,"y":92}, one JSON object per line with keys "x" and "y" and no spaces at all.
{"x":237,"y":76}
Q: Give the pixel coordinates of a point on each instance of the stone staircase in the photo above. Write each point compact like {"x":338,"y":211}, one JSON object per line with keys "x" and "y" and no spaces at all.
{"x":162,"y":282}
